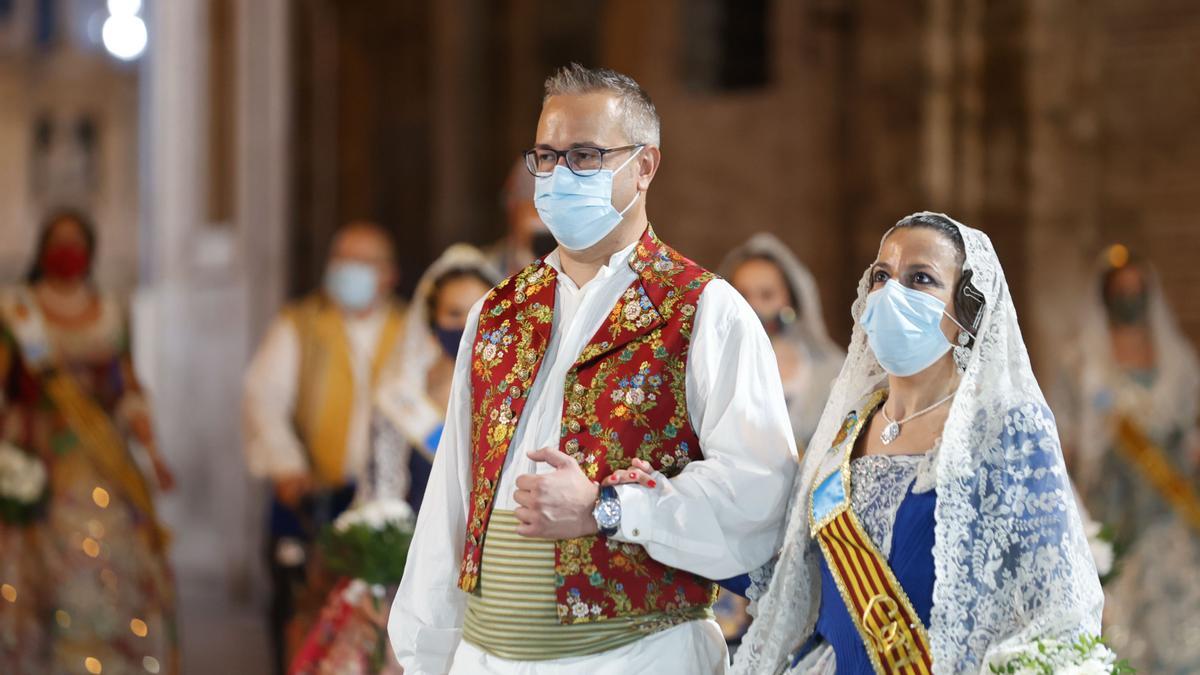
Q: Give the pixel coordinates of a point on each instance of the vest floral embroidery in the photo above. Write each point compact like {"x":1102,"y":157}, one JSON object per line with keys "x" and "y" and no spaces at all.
{"x":624,"y":397}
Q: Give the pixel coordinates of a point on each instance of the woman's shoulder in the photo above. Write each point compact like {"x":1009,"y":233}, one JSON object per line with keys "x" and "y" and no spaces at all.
{"x":1029,"y":419}
{"x":1026,"y":433}
{"x":16,"y":306}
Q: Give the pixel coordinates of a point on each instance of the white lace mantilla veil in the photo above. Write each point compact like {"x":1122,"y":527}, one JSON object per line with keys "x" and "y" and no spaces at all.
{"x":1171,"y":403}
{"x":401,"y":397}
{"x":1012,"y":562}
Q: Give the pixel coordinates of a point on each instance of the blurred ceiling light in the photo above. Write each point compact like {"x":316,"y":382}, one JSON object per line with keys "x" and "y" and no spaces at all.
{"x":124,"y":35}
{"x":124,"y":7}
{"x":1118,"y":255}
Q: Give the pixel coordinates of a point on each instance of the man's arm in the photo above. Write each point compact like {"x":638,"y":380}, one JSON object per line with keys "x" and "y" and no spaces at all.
{"x":723,"y":515}
{"x":272,"y":448}
{"x":426,"y":619}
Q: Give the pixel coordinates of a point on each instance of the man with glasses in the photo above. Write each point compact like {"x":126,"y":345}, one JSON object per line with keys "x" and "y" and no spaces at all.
{"x":616,"y":437}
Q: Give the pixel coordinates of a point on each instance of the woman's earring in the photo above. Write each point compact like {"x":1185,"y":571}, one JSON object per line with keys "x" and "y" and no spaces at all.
{"x":962,"y":353}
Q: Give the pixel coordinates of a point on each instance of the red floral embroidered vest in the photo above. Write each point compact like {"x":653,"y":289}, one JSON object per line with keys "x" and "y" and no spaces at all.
{"x":624,"y":397}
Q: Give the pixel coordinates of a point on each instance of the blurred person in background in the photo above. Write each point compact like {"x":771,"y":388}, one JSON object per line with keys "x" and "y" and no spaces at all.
{"x":784,"y":295}
{"x":1127,"y":405}
{"x":307,"y":408}
{"x":526,"y":237}
{"x":86,"y":583}
{"x":415,"y":400}
{"x":351,"y":636}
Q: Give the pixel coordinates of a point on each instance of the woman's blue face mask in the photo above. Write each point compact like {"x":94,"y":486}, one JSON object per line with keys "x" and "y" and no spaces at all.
{"x":904,"y":328}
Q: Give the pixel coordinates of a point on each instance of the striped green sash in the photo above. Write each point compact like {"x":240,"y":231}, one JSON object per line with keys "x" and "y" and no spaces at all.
{"x":513,"y":612}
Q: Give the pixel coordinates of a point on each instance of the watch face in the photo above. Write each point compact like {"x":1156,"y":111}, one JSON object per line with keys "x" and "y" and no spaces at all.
{"x":608,"y":513}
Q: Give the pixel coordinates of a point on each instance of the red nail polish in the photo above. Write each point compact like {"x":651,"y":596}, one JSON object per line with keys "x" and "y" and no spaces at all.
{"x":632,"y":476}
{"x":651,"y":483}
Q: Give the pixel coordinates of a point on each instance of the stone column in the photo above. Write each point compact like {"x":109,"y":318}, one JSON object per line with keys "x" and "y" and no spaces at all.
{"x":208,"y":289}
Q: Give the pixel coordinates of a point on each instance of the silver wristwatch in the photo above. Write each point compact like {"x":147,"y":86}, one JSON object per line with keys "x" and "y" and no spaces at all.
{"x":607,"y":511}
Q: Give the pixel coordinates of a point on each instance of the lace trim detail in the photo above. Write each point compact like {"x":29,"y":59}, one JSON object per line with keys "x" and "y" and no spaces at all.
{"x":927,"y":471}
{"x":878,"y":485}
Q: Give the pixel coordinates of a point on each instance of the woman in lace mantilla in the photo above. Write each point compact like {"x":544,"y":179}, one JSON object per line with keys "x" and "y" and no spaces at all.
{"x":954,"y":472}
{"x":1133,"y":365}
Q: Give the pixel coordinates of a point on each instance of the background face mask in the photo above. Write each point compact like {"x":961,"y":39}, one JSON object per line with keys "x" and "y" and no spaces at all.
{"x":351,"y":284}
{"x":578,"y":210}
{"x":65,"y":261}
{"x":1127,"y":309}
{"x":904,"y":328}
{"x":448,"y":338}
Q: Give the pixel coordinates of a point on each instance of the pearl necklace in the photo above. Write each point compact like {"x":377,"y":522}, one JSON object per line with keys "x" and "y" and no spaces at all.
{"x":892,"y":431}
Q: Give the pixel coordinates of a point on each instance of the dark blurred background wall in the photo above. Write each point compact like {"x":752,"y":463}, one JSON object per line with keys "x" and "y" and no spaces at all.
{"x":1057,"y":126}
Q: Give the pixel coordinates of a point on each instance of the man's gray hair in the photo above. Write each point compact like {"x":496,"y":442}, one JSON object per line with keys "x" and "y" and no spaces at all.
{"x":639,"y":119}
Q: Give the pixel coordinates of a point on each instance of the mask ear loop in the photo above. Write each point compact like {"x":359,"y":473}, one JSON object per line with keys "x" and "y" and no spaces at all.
{"x":636,"y":193}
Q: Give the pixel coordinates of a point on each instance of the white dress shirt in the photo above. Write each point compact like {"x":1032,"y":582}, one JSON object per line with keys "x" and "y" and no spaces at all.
{"x":272,"y":447}
{"x":719,"y":517}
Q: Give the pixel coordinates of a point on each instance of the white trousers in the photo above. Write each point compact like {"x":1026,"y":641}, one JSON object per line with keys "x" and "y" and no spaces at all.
{"x":693,"y":648}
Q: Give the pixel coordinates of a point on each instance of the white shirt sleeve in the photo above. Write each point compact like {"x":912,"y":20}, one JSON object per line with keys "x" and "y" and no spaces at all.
{"x":425,"y":624}
{"x":724,"y":515}
{"x":271,"y":445}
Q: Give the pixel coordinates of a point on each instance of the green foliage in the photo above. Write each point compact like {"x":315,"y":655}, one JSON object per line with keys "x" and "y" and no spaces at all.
{"x":359,"y":552}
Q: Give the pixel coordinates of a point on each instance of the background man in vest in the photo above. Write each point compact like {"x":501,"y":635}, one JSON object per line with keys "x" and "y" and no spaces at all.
{"x":307,"y":406}
{"x":612,"y":356}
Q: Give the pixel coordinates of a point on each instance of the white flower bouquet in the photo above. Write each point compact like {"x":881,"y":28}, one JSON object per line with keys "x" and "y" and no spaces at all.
{"x":1100,"y":540}
{"x":370,"y":542}
{"x":1087,"y":655}
{"x":23,"y":485}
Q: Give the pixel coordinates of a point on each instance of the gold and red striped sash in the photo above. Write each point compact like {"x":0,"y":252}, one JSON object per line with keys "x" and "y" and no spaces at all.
{"x":1152,"y":462}
{"x":892,"y":632}
{"x":894,"y":637}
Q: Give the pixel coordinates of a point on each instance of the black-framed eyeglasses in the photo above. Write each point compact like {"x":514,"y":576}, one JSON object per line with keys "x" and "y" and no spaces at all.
{"x":582,"y":161}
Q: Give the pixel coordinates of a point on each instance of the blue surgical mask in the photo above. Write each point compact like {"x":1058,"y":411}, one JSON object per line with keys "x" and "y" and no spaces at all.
{"x":448,"y":338}
{"x":578,"y":210}
{"x":352,"y":285}
{"x":904,"y":327}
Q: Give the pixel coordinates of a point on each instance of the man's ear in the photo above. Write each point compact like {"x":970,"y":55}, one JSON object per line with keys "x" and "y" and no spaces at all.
{"x":647,"y":166}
